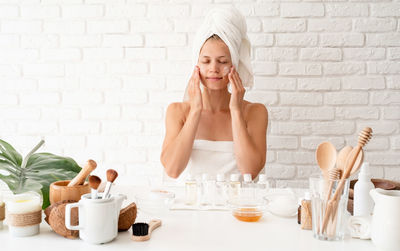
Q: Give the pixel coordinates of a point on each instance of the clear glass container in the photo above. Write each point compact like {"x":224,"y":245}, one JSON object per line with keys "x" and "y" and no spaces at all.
{"x":329,"y":216}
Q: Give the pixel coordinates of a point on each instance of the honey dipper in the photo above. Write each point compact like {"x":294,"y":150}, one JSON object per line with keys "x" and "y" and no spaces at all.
{"x":363,"y":139}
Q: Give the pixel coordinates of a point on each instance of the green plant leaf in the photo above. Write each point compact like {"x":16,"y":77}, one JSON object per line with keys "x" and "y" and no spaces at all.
{"x":41,"y":170}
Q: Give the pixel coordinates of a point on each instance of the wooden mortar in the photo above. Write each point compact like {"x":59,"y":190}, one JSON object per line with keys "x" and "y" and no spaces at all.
{"x":59,"y":191}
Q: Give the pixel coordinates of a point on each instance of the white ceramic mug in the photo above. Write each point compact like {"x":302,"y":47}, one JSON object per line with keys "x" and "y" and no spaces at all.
{"x":98,"y":218}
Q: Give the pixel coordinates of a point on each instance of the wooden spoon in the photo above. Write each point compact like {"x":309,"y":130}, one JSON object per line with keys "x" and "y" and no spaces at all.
{"x":342,"y":156}
{"x":326,"y":157}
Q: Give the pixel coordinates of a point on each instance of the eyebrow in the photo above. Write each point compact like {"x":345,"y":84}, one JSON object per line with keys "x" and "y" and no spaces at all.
{"x":217,"y":57}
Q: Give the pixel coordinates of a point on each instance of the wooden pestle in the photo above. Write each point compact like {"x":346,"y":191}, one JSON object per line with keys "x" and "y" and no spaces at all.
{"x":363,"y":138}
{"x":85,"y":171}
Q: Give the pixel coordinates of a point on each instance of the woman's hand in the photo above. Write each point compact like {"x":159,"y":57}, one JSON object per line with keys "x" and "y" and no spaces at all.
{"x":195,"y":99}
{"x":236,"y":102}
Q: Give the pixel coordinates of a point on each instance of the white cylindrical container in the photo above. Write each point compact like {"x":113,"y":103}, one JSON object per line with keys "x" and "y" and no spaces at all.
{"x":24,"y":214}
{"x":234,"y":186}
{"x":363,"y":202}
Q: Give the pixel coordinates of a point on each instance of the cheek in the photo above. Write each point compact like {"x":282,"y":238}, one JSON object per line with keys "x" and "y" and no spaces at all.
{"x":225,"y":71}
{"x":203,"y":70}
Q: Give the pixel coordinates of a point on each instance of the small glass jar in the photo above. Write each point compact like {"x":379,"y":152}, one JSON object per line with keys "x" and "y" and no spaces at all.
{"x":24,"y":213}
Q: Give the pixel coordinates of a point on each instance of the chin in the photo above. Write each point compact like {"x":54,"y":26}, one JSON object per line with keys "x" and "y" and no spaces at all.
{"x":215,"y":85}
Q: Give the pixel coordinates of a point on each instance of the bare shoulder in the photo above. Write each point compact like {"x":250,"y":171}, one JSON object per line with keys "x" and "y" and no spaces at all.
{"x":178,"y":110}
{"x":255,"y":111}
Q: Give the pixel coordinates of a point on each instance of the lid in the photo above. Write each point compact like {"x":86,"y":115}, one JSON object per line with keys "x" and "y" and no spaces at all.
{"x":204,"y":176}
{"x":234,"y":177}
{"x":262,"y":178}
{"x":220,"y":177}
{"x":247,"y":177}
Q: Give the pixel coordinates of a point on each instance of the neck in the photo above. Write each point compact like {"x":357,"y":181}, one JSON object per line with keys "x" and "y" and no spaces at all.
{"x":216,"y":100}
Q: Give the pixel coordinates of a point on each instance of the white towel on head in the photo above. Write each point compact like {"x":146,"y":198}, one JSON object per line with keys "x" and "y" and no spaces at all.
{"x":230,"y":25}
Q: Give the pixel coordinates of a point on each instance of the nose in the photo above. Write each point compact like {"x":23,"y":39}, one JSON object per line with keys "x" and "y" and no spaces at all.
{"x":214,"y":67}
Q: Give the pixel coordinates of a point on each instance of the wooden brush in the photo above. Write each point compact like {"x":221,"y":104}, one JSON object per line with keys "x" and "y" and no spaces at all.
{"x":85,"y":171}
{"x":363,"y":139}
{"x":94,"y":183}
{"x":142,"y":231}
{"x":111,"y":176}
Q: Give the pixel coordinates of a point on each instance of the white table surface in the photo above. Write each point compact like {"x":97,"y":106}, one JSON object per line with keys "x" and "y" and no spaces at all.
{"x":195,"y":230}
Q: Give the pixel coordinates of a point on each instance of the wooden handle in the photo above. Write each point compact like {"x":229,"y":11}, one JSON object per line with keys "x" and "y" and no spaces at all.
{"x":81,"y":177}
{"x":153,"y":224}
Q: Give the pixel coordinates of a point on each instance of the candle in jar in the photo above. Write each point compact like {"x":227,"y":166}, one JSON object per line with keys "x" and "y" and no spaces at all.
{"x":24,"y":213}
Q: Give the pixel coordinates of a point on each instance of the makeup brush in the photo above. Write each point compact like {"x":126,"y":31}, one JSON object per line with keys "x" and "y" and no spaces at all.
{"x":85,"y":171}
{"x":111,"y":176}
{"x":142,"y":231}
{"x":94,"y":183}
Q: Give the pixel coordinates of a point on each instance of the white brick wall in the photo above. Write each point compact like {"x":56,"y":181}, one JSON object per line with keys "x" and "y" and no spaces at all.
{"x":94,"y":78}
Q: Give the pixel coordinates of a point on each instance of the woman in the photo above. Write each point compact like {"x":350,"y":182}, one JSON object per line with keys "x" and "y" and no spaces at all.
{"x":214,"y":131}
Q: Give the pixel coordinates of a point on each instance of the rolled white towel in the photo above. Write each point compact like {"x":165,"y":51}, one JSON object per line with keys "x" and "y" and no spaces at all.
{"x":360,"y":227}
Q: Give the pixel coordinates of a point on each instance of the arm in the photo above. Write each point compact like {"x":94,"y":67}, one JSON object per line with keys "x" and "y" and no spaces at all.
{"x":249,"y":134}
{"x":181,"y":130}
{"x":250,"y":138}
{"x":179,"y":139}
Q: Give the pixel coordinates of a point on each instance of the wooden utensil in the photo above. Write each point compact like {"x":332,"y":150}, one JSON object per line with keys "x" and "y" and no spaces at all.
{"x":60,"y":191}
{"x":359,"y":161}
{"x":142,"y":231}
{"x":326,"y":157}
{"x":342,"y":156}
{"x":81,"y":177}
{"x":363,"y":139}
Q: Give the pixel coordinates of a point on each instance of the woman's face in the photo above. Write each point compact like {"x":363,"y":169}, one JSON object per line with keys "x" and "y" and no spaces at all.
{"x":215,"y":63}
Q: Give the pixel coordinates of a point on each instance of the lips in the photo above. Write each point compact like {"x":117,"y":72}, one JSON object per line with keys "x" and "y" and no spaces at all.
{"x":213,"y":78}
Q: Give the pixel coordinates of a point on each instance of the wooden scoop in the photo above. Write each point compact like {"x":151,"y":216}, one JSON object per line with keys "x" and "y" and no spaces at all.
{"x":81,"y":177}
{"x":326,"y":157}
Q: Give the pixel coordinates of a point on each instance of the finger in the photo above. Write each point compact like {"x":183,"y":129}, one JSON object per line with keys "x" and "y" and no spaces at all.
{"x":238,"y":80}
{"x":233,"y":82}
{"x":196,"y":78}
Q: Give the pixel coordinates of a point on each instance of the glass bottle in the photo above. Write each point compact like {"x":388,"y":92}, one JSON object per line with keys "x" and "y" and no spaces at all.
{"x":190,"y":191}
{"x":207,"y":190}
{"x":262,"y":186}
{"x":220,"y":190}
{"x":234,"y":186}
{"x":248,"y":185}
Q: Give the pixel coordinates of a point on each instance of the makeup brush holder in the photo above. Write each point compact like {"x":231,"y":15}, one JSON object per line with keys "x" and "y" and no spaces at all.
{"x":98,"y":218}
{"x":60,"y":191}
